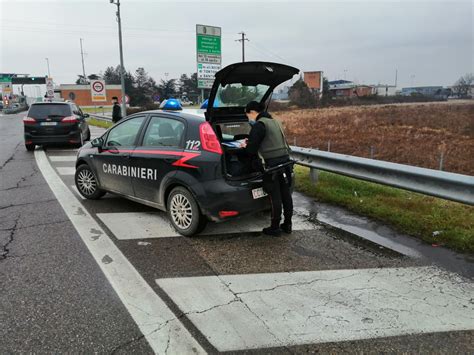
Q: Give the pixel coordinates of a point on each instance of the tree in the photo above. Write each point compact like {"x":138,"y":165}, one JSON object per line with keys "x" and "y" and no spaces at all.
{"x":144,"y":87}
{"x":187,"y":86}
{"x":81,"y":80}
{"x":167,"y":88}
{"x":301,"y":96}
{"x":462,"y":87}
{"x":112,"y":75}
{"x":93,"y":77}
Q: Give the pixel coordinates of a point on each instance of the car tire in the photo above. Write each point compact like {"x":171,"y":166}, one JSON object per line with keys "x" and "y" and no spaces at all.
{"x":30,"y":147}
{"x":86,"y":183}
{"x":184,"y":212}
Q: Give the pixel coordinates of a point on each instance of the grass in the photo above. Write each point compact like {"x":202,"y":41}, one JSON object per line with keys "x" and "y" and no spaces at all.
{"x":434,"y":220}
{"x":99,"y":123}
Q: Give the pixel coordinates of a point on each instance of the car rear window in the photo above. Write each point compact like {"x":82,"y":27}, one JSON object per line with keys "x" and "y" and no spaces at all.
{"x":45,"y":110}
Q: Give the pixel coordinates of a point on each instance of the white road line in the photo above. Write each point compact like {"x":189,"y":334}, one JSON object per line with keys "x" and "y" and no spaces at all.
{"x":74,"y":188}
{"x":66,"y":170}
{"x":63,"y":158}
{"x":163,"y":331}
{"x":238,"y":312}
{"x":145,"y":225}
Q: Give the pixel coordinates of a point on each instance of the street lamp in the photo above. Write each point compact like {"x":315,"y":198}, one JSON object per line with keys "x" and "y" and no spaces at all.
{"x":122,"y":68}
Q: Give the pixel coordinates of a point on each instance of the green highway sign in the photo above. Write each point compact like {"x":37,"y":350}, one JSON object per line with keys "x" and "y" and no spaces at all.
{"x":208,"y":54}
{"x":208,"y":44}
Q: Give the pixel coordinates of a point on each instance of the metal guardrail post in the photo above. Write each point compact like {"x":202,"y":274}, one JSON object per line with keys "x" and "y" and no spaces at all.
{"x":314,"y":175}
{"x":451,"y":186}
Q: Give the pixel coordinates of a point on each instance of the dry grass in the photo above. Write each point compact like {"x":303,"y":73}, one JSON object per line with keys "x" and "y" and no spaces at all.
{"x":414,"y":134}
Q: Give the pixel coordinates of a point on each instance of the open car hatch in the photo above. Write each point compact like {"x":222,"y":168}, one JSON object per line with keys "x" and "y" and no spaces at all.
{"x":238,"y":84}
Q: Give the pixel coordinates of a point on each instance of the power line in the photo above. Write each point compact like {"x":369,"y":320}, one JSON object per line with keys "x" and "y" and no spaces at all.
{"x":242,"y":40}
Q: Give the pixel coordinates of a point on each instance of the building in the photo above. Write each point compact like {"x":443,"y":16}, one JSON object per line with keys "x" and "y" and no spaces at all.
{"x":314,"y":80}
{"x":281,"y":94}
{"x":384,"y":90}
{"x":429,"y":91}
{"x":81,"y":94}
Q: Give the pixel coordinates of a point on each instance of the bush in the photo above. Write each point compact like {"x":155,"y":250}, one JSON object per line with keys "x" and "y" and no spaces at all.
{"x":301,"y":95}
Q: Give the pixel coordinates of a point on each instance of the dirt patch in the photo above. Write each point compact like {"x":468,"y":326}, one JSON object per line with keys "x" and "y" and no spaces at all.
{"x":414,"y":134}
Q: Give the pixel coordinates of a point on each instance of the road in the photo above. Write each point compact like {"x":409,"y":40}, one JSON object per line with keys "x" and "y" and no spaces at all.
{"x":111,"y":276}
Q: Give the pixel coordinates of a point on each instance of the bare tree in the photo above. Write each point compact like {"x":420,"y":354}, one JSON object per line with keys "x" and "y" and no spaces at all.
{"x":462,"y":87}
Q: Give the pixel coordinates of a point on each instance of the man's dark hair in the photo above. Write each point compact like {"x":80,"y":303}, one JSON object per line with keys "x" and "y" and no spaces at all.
{"x":115,"y":98}
{"x":254,"y":106}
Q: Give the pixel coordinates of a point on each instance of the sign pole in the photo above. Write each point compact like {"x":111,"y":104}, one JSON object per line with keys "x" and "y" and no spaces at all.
{"x":122,"y":68}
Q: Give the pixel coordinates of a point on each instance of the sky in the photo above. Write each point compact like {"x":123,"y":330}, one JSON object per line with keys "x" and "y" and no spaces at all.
{"x":429,"y":42}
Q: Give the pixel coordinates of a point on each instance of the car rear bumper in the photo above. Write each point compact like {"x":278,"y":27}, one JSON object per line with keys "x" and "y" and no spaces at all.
{"x":73,"y":137}
{"x":218,"y":195}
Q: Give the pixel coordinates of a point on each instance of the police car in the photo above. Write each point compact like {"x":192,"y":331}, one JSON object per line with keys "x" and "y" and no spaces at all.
{"x":186,"y":164}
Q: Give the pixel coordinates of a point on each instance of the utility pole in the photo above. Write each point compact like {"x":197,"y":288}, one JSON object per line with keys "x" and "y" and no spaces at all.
{"x":396,"y":77}
{"x":242,"y":40}
{"x":47,"y":62}
{"x":122,"y":68}
{"x":83,"y":69}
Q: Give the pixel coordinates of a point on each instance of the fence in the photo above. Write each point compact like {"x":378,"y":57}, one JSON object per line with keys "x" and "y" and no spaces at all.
{"x":451,"y":186}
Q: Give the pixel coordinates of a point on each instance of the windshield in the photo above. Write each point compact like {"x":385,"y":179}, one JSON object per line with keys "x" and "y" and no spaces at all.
{"x":45,"y":110}
{"x":238,"y":95}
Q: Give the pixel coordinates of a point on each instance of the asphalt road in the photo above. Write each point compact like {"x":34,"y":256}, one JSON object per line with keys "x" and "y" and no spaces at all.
{"x":111,"y":276}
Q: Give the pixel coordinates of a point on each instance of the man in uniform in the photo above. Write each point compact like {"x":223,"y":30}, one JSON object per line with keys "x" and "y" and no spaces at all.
{"x":116,"y":110}
{"x":268,"y":140}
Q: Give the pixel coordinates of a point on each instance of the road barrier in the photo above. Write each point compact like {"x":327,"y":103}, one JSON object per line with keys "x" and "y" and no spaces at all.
{"x":100,"y":117}
{"x":451,"y":186}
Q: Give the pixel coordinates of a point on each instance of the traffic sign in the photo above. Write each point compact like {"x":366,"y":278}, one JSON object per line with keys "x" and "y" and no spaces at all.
{"x":207,"y":71}
{"x":127,"y":99}
{"x":98,"y":90}
{"x":49,"y":88}
{"x":208,"y":54}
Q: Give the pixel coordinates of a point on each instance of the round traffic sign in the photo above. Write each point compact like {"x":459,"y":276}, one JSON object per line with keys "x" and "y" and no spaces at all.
{"x":98,"y":86}
{"x":127,"y":99}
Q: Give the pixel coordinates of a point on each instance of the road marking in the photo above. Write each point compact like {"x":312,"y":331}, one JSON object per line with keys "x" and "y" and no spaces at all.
{"x":238,"y":312}
{"x":74,"y":188}
{"x":66,"y":170}
{"x":145,"y":225}
{"x":62,"y":158}
{"x":163,"y":331}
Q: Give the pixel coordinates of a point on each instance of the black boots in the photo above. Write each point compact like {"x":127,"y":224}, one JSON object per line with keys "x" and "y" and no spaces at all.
{"x":286,"y":227}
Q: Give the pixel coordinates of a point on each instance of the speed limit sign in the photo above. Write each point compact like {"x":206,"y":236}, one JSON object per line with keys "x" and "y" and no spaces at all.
{"x":98,"y":90}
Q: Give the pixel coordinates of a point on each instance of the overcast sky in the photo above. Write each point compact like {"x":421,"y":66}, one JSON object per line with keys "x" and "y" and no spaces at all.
{"x":429,"y":42}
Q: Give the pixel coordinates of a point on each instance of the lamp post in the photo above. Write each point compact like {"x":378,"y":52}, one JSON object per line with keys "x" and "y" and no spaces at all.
{"x":47,"y":62}
{"x":122,"y":68}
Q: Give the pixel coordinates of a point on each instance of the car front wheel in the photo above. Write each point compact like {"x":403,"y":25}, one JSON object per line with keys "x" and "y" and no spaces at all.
{"x":184,"y":212}
{"x":86,"y":183}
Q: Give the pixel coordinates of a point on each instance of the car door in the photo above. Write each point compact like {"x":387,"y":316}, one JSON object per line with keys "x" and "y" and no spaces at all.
{"x":156,"y":156}
{"x":113,"y":160}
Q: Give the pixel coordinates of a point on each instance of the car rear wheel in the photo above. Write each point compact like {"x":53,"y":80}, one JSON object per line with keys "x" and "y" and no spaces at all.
{"x":30,"y":147}
{"x":86,"y":183}
{"x":184,"y":212}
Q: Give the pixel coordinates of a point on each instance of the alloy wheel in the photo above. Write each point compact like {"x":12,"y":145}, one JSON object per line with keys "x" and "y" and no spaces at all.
{"x":181,"y":211}
{"x":86,"y":182}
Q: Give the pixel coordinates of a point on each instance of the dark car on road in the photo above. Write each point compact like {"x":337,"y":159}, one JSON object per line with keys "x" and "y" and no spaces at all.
{"x":188,"y":165}
{"x":55,"y":123}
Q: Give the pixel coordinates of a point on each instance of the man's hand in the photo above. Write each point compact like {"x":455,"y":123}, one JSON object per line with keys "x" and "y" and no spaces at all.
{"x":244,"y":143}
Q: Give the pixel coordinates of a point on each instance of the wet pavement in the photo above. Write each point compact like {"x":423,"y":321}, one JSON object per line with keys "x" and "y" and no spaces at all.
{"x":320,"y":289}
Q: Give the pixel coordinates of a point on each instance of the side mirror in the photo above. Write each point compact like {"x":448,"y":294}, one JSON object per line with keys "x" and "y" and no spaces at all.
{"x":86,"y":115}
{"x":97,"y":142}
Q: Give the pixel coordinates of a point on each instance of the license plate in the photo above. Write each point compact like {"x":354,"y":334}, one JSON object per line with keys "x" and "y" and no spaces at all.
{"x":258,"y":193}
{"x":49,"y":123}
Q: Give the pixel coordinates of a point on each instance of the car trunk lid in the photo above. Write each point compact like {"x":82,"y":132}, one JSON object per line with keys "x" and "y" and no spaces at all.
{"x":237,"y":84}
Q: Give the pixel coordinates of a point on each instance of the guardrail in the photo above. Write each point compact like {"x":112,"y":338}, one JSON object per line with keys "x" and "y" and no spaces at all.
{"x":451,"y":186}
{"x":100,"y":117}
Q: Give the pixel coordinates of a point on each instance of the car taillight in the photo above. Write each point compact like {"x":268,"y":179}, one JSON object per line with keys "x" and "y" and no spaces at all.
{"x":69,"y":119}
{"x":223,"y":214}
{"x":29,"y":120}
{"x":209,"y":140}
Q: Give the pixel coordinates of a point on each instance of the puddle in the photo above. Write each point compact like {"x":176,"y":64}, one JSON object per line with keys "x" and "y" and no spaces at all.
{"x":378,"y":233}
